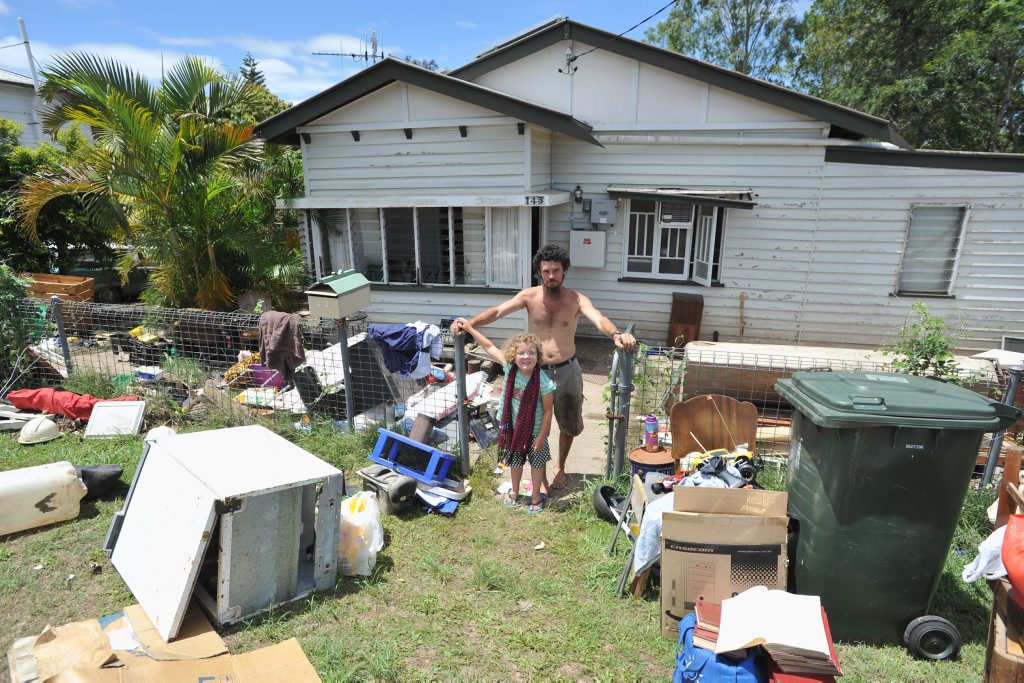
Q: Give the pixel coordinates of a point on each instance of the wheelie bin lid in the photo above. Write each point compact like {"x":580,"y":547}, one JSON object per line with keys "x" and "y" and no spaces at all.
{"x":853,"y":399}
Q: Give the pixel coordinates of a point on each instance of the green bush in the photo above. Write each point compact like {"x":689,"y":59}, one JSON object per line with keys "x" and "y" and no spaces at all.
{"x":925,"y":345}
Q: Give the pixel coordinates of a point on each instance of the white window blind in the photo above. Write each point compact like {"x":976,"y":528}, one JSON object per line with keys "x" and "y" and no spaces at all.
{"x":931,"y":250}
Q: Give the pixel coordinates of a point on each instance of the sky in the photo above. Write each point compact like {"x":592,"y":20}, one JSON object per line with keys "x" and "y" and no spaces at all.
{"x":284,"y":36}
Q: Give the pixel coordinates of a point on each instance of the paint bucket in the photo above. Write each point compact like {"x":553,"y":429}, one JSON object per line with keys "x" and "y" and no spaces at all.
{"x":35,"y":496}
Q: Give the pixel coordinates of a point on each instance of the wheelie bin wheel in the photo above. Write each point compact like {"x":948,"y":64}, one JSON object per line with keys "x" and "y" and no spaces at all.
{"x":932,"y":638}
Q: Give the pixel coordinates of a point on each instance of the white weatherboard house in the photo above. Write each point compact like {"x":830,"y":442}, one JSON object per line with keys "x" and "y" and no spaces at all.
{"x":798,"y":221}
{"x":19,"y":103}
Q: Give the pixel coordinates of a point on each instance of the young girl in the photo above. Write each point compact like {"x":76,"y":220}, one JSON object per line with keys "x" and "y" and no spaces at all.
{"x":527,"y":406}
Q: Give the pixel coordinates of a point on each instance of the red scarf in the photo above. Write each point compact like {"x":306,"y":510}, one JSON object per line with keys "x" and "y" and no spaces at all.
{"x":518,"y":439}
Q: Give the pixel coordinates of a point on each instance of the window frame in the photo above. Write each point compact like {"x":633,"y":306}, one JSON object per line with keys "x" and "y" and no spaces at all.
{"x":718,"y":223}
{"x":965,"y":213}
{"x":349,"y":251}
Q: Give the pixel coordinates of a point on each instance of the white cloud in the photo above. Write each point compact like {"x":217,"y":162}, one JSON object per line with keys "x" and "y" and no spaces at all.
{"x":4,"y":9}
{"x":468,"y":25}
{"x":292,"y":71}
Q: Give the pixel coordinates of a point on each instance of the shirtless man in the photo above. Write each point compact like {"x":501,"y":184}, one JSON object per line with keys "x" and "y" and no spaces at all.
{"x":553,"y":312}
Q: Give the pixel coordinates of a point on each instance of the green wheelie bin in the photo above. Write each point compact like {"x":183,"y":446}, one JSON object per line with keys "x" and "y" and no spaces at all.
{"x":879,"y":465}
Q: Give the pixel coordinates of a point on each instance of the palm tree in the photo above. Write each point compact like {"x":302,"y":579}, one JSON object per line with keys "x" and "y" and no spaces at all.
{"x":181,"y":182}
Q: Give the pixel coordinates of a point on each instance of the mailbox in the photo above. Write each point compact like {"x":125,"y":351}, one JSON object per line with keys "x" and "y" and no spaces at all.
{"x":339,"y":295}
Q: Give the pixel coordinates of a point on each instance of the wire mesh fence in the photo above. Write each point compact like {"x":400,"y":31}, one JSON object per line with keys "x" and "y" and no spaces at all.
{"x":171,"y":356}
{"x":664,"y":376}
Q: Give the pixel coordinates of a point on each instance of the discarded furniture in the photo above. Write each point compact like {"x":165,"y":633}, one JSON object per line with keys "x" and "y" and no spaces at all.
{"x":712,"y":421}
{"x":67,"y":287}
{"x":1004,"y":657}
{"x":411,"y":458}
{"x":242,"y":517}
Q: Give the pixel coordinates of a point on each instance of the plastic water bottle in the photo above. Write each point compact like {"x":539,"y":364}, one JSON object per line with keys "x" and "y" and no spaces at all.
{"x":651,"y":440}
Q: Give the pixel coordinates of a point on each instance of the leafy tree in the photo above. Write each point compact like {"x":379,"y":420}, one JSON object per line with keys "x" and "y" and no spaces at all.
{"x":261,"y":103}
{"x":64,"y":228}
{"x":250,"y":70}
{"x":179,"y":180}
{"x":950,"y":73}
{"x":754,"y":37}
{"x":428,"y":64}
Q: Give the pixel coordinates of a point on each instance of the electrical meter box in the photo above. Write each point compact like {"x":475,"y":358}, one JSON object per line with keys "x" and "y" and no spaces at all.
{"x":339,"y":295}
{"x":586,"y":248}
{"x":604,"y":211}
{"x":241,"y":517}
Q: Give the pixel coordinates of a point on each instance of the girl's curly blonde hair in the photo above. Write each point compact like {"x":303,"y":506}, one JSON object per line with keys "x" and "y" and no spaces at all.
{"x":509,"y":350}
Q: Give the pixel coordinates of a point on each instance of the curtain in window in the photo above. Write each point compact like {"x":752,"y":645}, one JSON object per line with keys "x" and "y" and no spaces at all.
{"x":366,"y":244}
{"x":505,"y":247}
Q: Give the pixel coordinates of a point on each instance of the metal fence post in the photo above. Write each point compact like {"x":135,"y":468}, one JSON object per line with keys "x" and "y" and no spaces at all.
{"x":346,"y":371}
{"x":459,"y":344}
{"x":622,"y":429}
{"x":58,"y":319}
{"x":1009,"y":396}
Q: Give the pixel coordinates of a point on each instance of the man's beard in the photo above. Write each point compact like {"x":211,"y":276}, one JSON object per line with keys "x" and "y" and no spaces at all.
{"x":553,"y":290}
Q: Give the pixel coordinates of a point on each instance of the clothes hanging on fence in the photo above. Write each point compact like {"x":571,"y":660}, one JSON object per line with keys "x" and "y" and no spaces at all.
{"x":280,"y":343}
{"x":407,"y":348}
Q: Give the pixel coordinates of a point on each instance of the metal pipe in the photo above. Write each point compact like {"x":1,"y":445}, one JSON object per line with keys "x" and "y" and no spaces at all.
{"x":613,"y":412}
{"x":58,"y":319}
{"x":1009,"y":396}
{"x":31,"y":61}
{"x":346,"y":369}
{"x":622,"y":429}
{"x":459,"y":344}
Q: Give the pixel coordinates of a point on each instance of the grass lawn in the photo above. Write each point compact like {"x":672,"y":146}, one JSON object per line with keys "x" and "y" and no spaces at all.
{"x":467,"y":597}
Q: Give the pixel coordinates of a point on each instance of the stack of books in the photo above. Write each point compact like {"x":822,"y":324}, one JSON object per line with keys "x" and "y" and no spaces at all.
{"x":792,"y":630}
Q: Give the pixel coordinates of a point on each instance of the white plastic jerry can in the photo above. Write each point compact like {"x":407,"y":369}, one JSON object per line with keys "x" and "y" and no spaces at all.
{"x":36,"y":496}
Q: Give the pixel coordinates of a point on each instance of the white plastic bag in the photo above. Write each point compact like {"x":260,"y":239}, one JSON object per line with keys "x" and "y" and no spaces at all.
{"x":989,"y":562}
{"x":361,"y":535}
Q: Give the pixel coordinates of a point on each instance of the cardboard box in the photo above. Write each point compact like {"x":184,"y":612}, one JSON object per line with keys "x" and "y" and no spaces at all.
{"x":715,"y":544}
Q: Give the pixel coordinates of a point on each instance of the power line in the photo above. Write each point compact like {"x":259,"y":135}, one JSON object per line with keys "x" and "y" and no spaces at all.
{"x":4,"y":47}
{"x":570,"y":60}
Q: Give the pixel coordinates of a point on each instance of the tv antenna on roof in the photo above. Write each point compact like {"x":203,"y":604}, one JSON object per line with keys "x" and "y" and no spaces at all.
{"x":368,"y":49}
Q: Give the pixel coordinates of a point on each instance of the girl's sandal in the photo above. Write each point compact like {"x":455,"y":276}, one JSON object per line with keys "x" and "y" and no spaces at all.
{"x":510,"y":500}
{"x":537,"y":508}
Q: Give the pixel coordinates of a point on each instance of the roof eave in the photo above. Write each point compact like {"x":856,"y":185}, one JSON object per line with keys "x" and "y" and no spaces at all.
{"x":280,"y":129}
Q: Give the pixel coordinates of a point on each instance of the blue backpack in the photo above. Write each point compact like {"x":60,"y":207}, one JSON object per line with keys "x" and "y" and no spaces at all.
{"x":697,"y":664}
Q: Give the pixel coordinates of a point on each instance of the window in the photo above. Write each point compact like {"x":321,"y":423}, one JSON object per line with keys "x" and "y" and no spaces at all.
{"x":931,"y":249}
{"x":471,"y":246}
{"x":672,"y":240}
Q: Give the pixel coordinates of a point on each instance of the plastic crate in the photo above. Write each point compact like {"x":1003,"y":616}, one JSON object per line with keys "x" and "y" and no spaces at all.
{"x":412,"y":458}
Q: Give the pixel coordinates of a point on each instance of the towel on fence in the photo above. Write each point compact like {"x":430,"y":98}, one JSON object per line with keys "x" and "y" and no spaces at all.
{"x":399,"y":347}
{"x":408,"y":348}
{"x":280,"y":343}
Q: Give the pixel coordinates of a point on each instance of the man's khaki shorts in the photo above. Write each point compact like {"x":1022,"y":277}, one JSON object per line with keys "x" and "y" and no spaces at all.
{"x":568,"y":394}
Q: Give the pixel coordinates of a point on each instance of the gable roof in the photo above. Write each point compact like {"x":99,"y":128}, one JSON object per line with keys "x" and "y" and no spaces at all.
{"x":281,"y":127}
{"x":846,"y":122}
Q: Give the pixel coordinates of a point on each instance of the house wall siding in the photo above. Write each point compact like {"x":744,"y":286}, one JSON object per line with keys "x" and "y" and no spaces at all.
{"x":765,"y":251}
{"x":383,"y":162}
{"x":16,"y":103}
